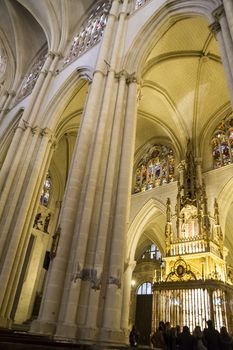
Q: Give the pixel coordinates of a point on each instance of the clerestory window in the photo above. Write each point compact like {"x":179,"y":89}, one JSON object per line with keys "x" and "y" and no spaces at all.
{"x":46,"y":191}
{"x":155,"y":168}
{"x":222,"y":143}
{"x":90,"y":32}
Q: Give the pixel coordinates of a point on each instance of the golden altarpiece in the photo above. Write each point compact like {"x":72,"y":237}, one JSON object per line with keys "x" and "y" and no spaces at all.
{"x":193,"y":286}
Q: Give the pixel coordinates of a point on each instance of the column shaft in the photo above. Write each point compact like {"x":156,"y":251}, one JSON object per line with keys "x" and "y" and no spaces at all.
{"x":21,"y":232}
{"x":228,"y":6}
{"x":60,"y":269}
{"x":111,"y":317}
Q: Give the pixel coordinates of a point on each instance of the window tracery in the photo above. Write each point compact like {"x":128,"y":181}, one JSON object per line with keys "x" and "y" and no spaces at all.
{"x":46,"y":191}
{"x":31,"y":77}
{"x":91,"y":31}
{"x":145,"y":288}
{"x":222,"y":143}
{"x":155,"y":168}
{"x":151,"y":253}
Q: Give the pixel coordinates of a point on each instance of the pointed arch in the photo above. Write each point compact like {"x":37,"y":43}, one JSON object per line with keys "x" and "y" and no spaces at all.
{"x":158,"y":23}
{"x":67,"y":89}
{"x":146,"y":214}
{"x":225,"y":200}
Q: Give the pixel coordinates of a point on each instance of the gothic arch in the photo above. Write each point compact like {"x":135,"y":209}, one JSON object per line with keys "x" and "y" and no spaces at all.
{"x":139,"y":223}
{"x":225,"y":200}
{"x":158,"y":23}
{"x":70,"y":86}
{"x":207,"y":133}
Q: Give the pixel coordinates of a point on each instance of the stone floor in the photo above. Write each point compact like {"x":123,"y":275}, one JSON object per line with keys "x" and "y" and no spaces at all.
{"x":20,"y":340}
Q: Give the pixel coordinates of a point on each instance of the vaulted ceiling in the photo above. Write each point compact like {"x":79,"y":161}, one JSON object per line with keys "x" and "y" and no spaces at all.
{"x":184,"y":89}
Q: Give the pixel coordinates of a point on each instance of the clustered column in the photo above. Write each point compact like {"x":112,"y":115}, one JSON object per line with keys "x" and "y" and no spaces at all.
{"x":18,"y":183}
{"x":220,"y":28}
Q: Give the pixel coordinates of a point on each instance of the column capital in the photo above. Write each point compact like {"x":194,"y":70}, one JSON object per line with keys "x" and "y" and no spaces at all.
{"x":130,"y":265}
{"x":123,"y":74}
{"x":84,"y":74}
{"x":36,"y":130}
{"x":219,"y":12}
{"x":23,"y":125}
{"x":215,"y":27}
{"x":10,"y":93}
{"x":54,"y":54}
{"x":181,"y":166}
{"x":132,"y":78}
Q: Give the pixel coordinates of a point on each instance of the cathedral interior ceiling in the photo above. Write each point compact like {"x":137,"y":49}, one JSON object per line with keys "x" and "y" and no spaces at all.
{"x":183,"y":84}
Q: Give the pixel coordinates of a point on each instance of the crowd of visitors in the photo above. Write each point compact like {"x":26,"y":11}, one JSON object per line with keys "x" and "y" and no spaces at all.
{"x":171,"y":338}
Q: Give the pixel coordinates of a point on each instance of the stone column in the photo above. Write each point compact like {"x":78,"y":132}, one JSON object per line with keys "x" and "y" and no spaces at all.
{"x":113,"y":295}
{"x":15,"y":221}
{"x":4,"y":97}
{"x":102,"y":220}
{"x":216,"y":29}
{"x":22,"y":133}
{"x":228,"y":6}
{"x":198,"y":162}
{"x":7,"y":98}
{"x":60,"y":287}
{"x":220,"y":16}
{"x":20,"y":234}
{"x":127,"y":295}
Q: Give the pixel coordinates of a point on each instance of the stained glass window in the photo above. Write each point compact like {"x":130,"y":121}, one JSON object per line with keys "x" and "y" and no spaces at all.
{"x":46,"y":191}
{"x":31,"y":77}
{"x":145,"y":288}
{"x":222,"y":143}
{"x":152,"y":253}
{"x":91,"y":31}
{"x":155,"y":168}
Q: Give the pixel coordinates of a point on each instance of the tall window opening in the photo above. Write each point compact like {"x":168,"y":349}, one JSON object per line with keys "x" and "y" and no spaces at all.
{"x":151,"y":253}
{"x":145,"y":288}
{"x":46,"y":191}
{"x":222,"y":143}
{"x":91,"y":31}
{"x":32,"y":75}
{"x":155,"y":168}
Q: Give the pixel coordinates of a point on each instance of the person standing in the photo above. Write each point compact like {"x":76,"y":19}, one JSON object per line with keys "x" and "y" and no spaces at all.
{"x":225,"y":339}
{"x":133,"y":337}
{"x":158,"y":340}
{"x":211,"y":337}
{"x":198,"y":339}
{"x":185,"y":340}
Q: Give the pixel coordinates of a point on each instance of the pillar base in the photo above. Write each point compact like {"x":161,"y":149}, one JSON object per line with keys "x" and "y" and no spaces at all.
{"x":113,"y":337}
{"x":66,"y":331}
{"x":5,"y":322}
{"x":42,"y":327}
